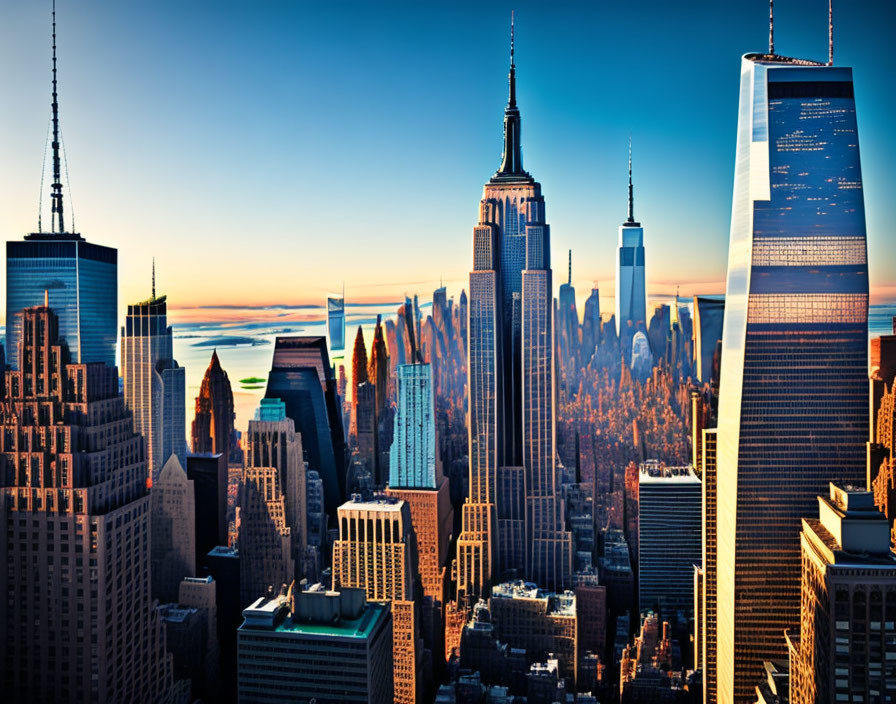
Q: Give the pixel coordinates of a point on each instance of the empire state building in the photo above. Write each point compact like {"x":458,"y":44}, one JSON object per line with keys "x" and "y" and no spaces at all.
{"x":513,"y":516}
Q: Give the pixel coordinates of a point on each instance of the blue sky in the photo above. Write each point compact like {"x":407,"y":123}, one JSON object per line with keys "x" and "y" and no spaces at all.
{"x":265,"y":151}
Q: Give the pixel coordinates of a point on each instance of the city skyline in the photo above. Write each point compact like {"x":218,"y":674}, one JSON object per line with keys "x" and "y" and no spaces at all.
{"x":574,"y":139}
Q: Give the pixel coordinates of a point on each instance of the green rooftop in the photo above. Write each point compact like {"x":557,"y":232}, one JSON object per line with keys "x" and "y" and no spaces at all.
{"x":360,"y":627}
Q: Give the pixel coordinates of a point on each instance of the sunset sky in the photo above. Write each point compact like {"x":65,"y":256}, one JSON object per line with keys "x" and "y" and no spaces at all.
{"x":265,"y":153}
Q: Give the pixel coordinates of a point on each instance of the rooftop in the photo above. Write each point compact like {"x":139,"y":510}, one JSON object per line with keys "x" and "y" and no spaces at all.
{"x":783,"y":60}
{"x":378,"y":503}
{"x":654,"y":472}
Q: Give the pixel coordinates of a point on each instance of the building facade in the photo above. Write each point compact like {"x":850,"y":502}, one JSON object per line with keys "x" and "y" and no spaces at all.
{"x":154,"y":384}
{"x":332,"y":647}
{"x":173,"y":523}
{"x":413,"y":459}
{"x":846,"y":645}
{"x":793,"y":403}
{"x":78,"y":624}
{"x":669,"y":517}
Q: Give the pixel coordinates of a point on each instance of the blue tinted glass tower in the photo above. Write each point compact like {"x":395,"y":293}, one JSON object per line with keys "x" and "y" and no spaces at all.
{"x":78,"y":280}
{"x":412,"y":461}
{"x":631,"y":293}
{"x":793,"y":393}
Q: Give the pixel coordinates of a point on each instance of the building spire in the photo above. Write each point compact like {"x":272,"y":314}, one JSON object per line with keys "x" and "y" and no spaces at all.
{"x":57,"y":221}
{"x":153,"y":278}
{"x":631,"y":190}
{"x":771,"y":27}
{"x":512,"y":161}
{"x":570,"y":268}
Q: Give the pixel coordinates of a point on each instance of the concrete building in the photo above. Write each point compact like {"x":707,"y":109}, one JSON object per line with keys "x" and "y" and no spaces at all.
{"x":331,"y":647}
{"x":154,"y":384}
{"x":77,"y":624}
{"x":846,"y":647}
{"x":377,"y":551}
{"x":669,"y":518}
{"x":173,"y":531}
{"x":540,"y":622}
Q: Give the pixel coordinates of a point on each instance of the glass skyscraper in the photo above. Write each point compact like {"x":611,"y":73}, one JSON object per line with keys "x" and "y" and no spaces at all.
{"x":336,"y":324}
{"x":412,"y":461}
{"x":793,"y":394}
{"x":631,"y":292}
{"x":80,"y":280}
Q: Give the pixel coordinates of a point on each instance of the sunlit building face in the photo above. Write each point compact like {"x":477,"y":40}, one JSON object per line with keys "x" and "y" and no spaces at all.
{"x":793,"y":394}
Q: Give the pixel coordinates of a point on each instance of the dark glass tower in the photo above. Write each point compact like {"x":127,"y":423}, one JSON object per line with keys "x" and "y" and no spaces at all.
{"x":512,"y":519}
{"x":793,"y":396}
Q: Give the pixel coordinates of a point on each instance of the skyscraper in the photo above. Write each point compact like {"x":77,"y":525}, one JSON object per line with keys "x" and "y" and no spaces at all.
{"x":413,"y":461}
{"x":844,"y":649}
{"x":709,"y":316}
{"x":512,"y":518}
{"x":377,"y":551}
{"x":173,"y":524}
{"x":213,"y":422}
{"x":154,"y":384}
{"x":336,"y":324}
{"x":631,"y":296}
{"x":793,"y":404}
{"x":79,"y":279}
{"x":77,"y":624}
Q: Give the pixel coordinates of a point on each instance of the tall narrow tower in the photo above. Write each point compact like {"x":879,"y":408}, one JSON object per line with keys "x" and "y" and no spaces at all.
{"x":79,"y":279}
{"x":512,"y":519}
{"x":631,"y":296}
{"x":793,"y":394}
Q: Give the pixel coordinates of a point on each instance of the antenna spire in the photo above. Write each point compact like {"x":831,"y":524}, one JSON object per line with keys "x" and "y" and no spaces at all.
{"x":771,"y":27}
{"x":153,"y":278}
{"x":57,"y":219}
{"x":512,"y":99}
{"x":830,"y":32}
{"x":512,"y":160}
{"x":631,"y":190}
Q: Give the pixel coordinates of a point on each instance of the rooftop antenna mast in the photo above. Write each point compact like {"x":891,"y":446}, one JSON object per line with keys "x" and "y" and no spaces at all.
{"x":631,"y":191}
{"x":830,"y":32}
{"x":570,"y":268}
{"x":153,"y":278}
{"x":771,"y":27}
{"x":57,"y":219}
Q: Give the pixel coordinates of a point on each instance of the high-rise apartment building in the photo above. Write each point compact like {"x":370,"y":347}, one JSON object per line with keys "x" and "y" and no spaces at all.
{"x":376,"y":551}
{"x":512,"y":525}
{"x":213,"y":422}
{"x":847,"y":640}
{"x":330,"y":648}
{"x":669,"y":509}
{"x":173,"y":524}
{"x":793,"y":402}
{"x":154,"y":384}
{"x":77,"y":623}
{"x":631,"y":291}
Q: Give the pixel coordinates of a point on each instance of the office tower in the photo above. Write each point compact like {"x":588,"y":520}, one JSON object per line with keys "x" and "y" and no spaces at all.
{"x":539,"y":621}
{"x":364,"y":406}
{"x":882,"y":363}
{"x":271,"y":441}
{"x":591,"y":325}
{"x":669,"y":508}
{"x":413,"y":461}
{"x":591,"y":613}
{"x":846,"y":643}
{"x":208,"y":472}
{"x":301,"y":376}
{"x":793,"y":395}
{"x":154,"y":384}
{"x":188,"y":635}
{"x":709,"y":564}
{"x":213,"y":423}
{"x":79,"y":279}
{"x":336,"y":323}
{"x":317,"y":515}
{"x":709,"y":317}
{"x":272,"y":503}
{"x":510,"y":374}
{"x":359,"y":376}
{"x":416,"y":478}
{"x":331,"y":647}
{"x":76,"y":514}
{"x":377,"y":551}
{"x":201,"y":595}
{"x":173,"y":529}
{"x":631,"y":294}
{"x":224,"y":568}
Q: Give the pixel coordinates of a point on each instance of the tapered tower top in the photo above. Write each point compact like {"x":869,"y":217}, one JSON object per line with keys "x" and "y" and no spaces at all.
{"x":511,"y":168}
